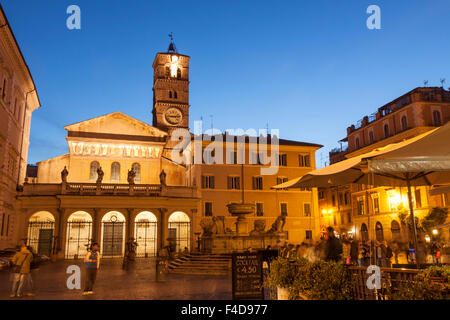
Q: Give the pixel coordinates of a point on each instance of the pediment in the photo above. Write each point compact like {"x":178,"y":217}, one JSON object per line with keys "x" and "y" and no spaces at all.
{"x":116,"y":123}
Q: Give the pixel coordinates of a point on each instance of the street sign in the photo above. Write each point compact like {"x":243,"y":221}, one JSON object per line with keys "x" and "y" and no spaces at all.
{"x":247,"y":277}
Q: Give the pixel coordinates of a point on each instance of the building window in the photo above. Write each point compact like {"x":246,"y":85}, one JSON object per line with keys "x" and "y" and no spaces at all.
{"x":308,"y":234}
{"x":360,"y":206}
{"x":93,"y":171}
{"x":418,"y":199}
{"x":364,"y":232}
{"x":386,"y":130}
{"x":346,"y":198}
{"x":234,"y":182}
{"x":283,"y":160}
{"x":321,"y":195}
{"x":259,"y":209}
{"x":208,"y":209}
{"x":307,"y":209}
{"x":379,"y":231}
{"x":333,"y":200}
{"x":395,"y":229}
{"x":304,"y":160}
{"x":167,"y":71}
{"x":170,"y":94}
{"x":115,"y":171}
{"x":208,"y":182}
{"x":404,"y":123}
{"x":175,"y":95}
{"x":340,"y":199}
{"x":376,"y":204}
{"x":283,"y":209}
{"x":179,"y":73}
{"x":357,"y":143}
{"x":257,"y":183}
{"x":371,"y":138}
{"x":137,"y":170}
{"x":437,"y":118}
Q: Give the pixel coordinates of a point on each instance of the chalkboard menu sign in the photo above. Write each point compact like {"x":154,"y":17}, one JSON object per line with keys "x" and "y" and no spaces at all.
{"x":247,"y":276}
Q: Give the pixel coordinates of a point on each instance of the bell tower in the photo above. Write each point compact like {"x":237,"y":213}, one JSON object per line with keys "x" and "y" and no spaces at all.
{"x":171,"y":89}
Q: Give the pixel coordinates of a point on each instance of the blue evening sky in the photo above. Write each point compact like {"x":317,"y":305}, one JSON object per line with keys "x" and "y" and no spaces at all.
{"x":308,"y":68}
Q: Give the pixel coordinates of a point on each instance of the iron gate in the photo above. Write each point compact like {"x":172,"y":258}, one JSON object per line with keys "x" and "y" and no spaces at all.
{"x":40,"y":236}
{"x":113,"y":233}
{"x":78,"y":235}
{"x":179,"y":235}
{"x":145,"y":234}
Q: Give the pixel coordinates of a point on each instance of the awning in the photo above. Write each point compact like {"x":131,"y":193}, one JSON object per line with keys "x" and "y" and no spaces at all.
{"x":353,"y":170}
{"x":430,"y":153}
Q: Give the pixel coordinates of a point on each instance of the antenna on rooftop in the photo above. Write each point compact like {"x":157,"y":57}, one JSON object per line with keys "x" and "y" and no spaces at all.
{"x":442,"y":82}
{"x":425,"y":83}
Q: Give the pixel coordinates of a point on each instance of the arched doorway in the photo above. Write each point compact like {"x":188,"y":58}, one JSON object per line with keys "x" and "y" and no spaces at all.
{"x":179,"y":231}
{"x":379,"y":231}
{"x":395,"y":229}
{"x":113,"y":234}
{"x":145,"y":233}
{"x":364,"y":232}
{"x":41,"y":226}
{"x":79,"y":232}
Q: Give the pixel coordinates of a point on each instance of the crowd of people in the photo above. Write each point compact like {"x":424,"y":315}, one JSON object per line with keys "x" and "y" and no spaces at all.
{"x":358,"y":253}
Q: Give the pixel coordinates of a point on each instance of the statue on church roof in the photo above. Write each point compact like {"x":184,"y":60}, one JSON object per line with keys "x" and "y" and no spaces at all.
{"x":64,"y":174}
{"x":100,"y":175}
{"x":162,"y":178}
{"x":131,"y":175}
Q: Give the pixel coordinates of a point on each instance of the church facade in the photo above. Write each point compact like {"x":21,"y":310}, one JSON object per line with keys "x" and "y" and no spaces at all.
{"x":120,"y":180}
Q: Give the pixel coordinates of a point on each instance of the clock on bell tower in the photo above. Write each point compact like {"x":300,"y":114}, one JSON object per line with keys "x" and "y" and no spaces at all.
{"x":171,"y":89}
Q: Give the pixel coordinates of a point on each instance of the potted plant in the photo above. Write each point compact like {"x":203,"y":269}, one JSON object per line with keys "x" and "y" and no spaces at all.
{"x":282,"y":275}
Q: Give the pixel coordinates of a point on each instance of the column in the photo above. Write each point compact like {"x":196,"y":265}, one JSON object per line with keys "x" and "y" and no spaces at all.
{"x":95,"y":225}
{"x":58,"y":245}
{"x":162,"y":228}
{"x":128,"y":224}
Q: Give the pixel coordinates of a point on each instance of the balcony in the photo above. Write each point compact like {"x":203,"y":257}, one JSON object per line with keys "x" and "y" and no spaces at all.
{"x":107,"y":189}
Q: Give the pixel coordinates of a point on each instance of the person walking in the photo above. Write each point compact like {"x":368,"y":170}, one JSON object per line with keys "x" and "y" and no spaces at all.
{"x":92,"y":261}
{"x":21,"y":268}
{"x":389,"y":255}
{"x":333,"y":248}
{"x":346,"y":246}
{"x":29,"y":278}
{"x":354,"y":252}
{"x":380,"y":253}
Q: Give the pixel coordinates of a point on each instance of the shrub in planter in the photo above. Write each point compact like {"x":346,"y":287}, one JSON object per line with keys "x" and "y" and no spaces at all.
{"x":322,"y":280}
{"x":282,"y":273}
{"x":432,"y":283}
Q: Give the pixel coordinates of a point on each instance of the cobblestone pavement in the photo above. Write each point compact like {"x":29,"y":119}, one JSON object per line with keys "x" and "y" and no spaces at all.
{"x":113,"y":283}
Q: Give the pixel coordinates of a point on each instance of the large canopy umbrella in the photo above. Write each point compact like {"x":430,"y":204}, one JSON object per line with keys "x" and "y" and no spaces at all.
{"x":422,"y":160}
